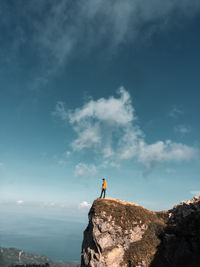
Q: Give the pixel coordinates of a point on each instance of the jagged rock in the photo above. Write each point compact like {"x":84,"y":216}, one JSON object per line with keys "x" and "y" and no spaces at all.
{"x":114,"y":226}
{"x":124,"y":234}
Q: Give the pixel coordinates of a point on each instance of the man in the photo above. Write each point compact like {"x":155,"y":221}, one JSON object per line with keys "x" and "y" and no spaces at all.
{"x":103,"y":188}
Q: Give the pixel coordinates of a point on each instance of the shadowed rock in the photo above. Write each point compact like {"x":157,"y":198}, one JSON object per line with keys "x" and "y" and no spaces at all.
{"x":121,"y":234}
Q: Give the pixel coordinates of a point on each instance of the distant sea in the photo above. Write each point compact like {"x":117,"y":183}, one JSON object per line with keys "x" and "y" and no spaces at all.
{"x":58,"y":239}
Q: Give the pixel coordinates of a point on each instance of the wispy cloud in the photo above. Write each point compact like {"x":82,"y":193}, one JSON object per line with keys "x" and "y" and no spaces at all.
{"x":84,"y":205}
{"x":88,"y":136}
{"x":109,"y":129}
{"x":68,"y":23}
{"x":150,"y":155}
{"x":112,"y":110}
{"x":55,"y":31}
{"x":60,"y":110}
{"x":19,"y":202}
{"x":67,"y":153}
{"x":175,"y":112}
{"x":182,"y":129}
{"x":85,"y":170}
{"x":96,"y":121}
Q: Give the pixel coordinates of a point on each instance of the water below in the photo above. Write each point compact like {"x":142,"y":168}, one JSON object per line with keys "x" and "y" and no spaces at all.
{"x":60,"y":240}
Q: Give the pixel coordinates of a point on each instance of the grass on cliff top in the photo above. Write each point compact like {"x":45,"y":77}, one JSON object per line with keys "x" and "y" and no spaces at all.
{"x":146,"y":248}
{"x":125,"y":215}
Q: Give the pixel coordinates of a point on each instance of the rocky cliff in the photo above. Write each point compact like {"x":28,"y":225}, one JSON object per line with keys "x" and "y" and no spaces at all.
{"x":124,"y":234}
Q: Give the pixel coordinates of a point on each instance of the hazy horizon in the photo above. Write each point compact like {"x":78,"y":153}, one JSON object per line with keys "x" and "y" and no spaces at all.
{"x":59,"y":239}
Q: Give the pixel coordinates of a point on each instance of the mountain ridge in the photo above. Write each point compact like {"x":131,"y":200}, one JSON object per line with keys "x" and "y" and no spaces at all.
{"x":16,"y":257}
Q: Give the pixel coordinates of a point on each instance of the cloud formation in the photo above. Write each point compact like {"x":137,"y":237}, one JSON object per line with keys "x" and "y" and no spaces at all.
{"x":175,"y":112}
{"x":56,"y":30}
{"x":113,"y":110}
{"x":109,"y":129}
{"x":167,"y":151}
{"x":19,"y":202}
{"x":96,"y":122}
{"x":88,"y":136}
{"x":182,"y":129}
{"x":85,"y":170}
{"x":84,"y":204}
{"x":68,"y":23}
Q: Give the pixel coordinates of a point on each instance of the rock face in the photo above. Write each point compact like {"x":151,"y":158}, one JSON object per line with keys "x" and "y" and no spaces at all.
{"x":124,"y":234}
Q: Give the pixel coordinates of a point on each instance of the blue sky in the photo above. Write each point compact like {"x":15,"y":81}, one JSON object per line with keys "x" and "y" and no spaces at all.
{"x":98,"y":89}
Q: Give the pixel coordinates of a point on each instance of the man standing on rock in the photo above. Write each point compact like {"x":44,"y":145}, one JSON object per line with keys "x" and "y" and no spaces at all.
{"x":103,"y":188}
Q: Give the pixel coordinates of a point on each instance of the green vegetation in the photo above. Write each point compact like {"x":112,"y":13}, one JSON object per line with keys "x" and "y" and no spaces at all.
{"x":145,"y":249}
{"x":126,"y":215}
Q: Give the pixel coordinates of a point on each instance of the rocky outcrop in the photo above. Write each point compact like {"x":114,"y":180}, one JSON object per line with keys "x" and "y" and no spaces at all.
{"x":124,"y":234}
{"x":180,"y":244}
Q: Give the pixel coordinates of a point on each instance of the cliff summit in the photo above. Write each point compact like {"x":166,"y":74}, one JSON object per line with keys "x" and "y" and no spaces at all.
{"x":124,"y":234}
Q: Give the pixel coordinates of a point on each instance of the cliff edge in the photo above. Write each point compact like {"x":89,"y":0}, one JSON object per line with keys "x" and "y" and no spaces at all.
{"x":125,"y":234}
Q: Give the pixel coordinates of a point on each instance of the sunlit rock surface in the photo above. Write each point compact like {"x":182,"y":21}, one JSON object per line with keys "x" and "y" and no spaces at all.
{"x":121,"y":234}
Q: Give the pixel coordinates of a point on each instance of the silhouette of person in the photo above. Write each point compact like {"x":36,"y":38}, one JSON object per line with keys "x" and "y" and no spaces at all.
{"x":103,"y":188}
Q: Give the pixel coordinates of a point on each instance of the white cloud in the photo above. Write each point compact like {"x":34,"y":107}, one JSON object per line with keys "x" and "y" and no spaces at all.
{"x":60,"y":111}
{"x":67,"y":153}
{"x":112,"y":110}
{"x":96,"y":121}
{"x":175,"y":112}
{"x":182,"y":129}
{"x":120,"y":22}
{"x":109,"y":163}
{"x":84,"y":205}
{"x":85,"y":170}
{"x":128,"y":143}
{"x":108,"y":128}
{"x":107,"y":152}
{"x":88,"y":136}
{"x":20,"y":202}
{"x":75,"y":27}
{"x":159,"y":152}
{"x":195,"y":192}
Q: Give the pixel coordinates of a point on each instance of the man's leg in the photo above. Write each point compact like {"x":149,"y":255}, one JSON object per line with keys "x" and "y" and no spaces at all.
{"x":104,"y":191}
{"x":101,"y":193}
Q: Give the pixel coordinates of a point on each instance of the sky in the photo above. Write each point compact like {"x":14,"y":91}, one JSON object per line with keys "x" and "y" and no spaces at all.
{"x":93,"y":89}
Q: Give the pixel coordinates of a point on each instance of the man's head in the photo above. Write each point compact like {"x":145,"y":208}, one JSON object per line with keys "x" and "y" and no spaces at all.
{"x":103,"y":179}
